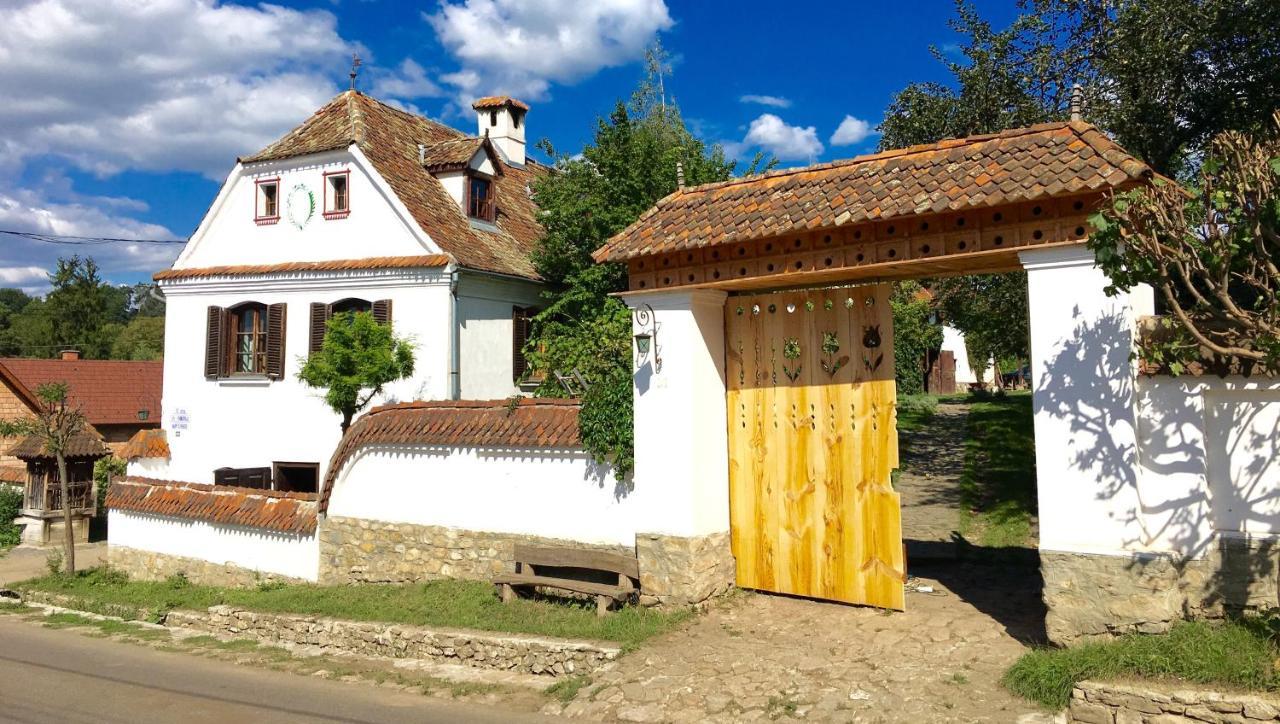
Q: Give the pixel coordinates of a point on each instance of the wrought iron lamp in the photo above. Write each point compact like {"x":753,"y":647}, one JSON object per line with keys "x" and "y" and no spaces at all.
{"x":647,"y":337}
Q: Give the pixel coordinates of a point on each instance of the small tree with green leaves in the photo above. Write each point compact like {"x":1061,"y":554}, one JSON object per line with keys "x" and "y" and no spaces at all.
{"x":1211,"y":251}
{"x":358,"y":358}
{"x":55,"y":423}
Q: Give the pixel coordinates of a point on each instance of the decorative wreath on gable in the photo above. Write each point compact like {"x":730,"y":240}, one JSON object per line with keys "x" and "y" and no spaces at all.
{"x":302,"y":205}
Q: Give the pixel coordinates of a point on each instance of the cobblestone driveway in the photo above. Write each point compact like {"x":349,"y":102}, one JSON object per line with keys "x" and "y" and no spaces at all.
{"x":762,"y":657}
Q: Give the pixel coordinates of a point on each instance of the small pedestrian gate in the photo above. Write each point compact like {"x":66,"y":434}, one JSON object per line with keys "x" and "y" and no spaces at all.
{"x":812,"y":442}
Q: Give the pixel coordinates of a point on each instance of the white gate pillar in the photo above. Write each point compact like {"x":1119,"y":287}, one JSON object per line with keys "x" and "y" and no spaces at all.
{"x":1083,"y":379}
{"x":681,"y":445}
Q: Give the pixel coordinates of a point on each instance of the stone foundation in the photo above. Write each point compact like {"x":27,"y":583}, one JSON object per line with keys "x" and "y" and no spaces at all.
{"x":1153,"y":703}
{"x":355,"y":550}
{"x":516,"y":653}
{"x":1095,"y":596}
{"x":151,"y":566}
{"x":48,"y":531}
{"x":683,"y":571}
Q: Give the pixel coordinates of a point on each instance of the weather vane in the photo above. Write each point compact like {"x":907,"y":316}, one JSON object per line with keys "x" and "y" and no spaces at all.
{"x":355,"y":65}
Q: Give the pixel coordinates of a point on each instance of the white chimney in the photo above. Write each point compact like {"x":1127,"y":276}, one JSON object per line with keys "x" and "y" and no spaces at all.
{"x":501,"y":118}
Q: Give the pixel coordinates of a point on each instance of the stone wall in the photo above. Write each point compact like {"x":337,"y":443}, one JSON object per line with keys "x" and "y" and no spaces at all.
{"x":1095,"y":596}
{"x":681,"y":571}
{"x":516,"y":653}
{"x":1153,"y":703}
{"x":152,"y":566}
{"x":354,"y":550}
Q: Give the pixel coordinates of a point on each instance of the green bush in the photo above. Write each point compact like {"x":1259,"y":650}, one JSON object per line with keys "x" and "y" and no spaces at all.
{"x":10,"y":504}
{"x":915,"y":332}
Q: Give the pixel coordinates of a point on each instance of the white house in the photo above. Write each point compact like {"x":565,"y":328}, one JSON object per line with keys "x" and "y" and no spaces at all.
{"x":953,"y":341}
{"x":362,"y":207}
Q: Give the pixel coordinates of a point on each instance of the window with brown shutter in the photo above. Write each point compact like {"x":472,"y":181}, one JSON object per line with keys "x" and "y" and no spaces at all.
{"x":382,"y":311}
{"x":247,"y":334}
{"x":320,"y":314}
{"x":521,"y":331}
{"x":275,"y":341}
{"x":215,"y":343}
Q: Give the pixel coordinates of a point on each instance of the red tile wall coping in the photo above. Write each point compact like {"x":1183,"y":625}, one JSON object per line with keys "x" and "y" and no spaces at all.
{"x":145,"y":444}
{"x":268,"y":509}
{"x":532,"y":423}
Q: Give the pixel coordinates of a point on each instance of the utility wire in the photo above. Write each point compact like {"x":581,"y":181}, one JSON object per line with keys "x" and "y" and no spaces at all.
{"x":84,"y":240}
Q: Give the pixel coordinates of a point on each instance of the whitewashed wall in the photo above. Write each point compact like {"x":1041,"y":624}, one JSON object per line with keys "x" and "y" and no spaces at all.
{"x":253,"y":422}
{"x":378,"y":224}
{"x":953,"y":341}
{"x":1209,"y":453}
{"x":251,"y":548}
{"x":485,"y":334}
{"x":548,"y":493}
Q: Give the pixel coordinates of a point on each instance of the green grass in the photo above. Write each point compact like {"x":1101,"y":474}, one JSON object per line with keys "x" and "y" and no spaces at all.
{"x":567,"y":688}
{"x":1238,"y":654}
{"x":915,"y":411}
{"x":998,"y":487}
{"x":449,"y":603}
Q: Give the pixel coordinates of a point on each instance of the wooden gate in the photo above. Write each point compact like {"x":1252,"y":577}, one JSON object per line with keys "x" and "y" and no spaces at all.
{"x":812,"y":441}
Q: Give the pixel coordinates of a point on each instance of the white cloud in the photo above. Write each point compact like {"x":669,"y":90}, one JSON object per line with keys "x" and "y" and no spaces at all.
{"x":23,"y":277}
{"x":774,"y":135}
{"x":409,"y":80}
{"x":27,"y":210}
{"x":851,"y":131}
{"x":773,"y":101}
{"x":520,"y":47}
{"x":164,"y":85}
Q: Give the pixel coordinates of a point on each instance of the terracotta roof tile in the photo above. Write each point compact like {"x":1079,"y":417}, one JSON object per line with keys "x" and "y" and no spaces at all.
{"x":107,"y":391}
{"x":373,"y":262}
{"x":150,"y":443}
{"x":389,"y":138}
{"x":498,"y":102}
{"x":539,"y":423}
{"x":13,"y":475}
{"x":454,"y":154}
{"x":955,"y":174}
{"x":87,"y":444}
{"x":284,"y":512}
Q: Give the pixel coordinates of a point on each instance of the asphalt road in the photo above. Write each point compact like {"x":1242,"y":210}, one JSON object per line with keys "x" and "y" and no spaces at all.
{"x":61,"y":676}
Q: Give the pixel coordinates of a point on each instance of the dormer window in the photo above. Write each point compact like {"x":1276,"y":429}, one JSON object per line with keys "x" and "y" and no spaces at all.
{"x":480,"y":202}
{"x":267,"y":203}
{"x":493,"y":118}
{"x":337,"y":195}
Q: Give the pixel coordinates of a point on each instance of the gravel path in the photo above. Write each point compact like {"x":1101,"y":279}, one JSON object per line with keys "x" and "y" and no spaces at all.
{"x":929,"y":482}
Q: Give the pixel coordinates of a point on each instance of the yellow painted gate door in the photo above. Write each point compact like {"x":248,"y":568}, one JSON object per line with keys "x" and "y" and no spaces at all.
{"x":812,"y":441}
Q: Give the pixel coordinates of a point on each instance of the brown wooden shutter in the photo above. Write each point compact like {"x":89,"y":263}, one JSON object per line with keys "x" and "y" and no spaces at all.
{"x":215,"y":342}
{"x":275,"y":340}
{"x":320,"y":314}
{"x":382,"y":311}
{"x":520,"y":322}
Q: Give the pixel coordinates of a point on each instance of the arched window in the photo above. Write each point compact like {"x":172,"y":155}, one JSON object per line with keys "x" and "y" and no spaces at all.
{"x":249,"y":339}
{"x":322,"y":313}
{"x":350,"y":304}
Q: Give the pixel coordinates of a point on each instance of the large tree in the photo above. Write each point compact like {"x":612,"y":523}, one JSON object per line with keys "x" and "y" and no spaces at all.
{"x":1212,"y":253}
{"x":629,"y":164}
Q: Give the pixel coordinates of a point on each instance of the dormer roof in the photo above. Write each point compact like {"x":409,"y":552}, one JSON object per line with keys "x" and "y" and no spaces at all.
{"x":457,"y":154}
{"x":389,"y":138}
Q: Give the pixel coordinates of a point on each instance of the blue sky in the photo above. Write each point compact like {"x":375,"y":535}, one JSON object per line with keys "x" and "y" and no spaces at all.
{"x":131,"y":116}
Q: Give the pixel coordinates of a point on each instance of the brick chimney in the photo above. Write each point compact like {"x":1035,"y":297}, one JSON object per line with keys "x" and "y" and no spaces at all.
{"x":501,"y":118}
{"x":70,"y":355}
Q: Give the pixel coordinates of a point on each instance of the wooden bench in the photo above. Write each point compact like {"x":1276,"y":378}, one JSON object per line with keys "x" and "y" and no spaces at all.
{"x":530,"y":558}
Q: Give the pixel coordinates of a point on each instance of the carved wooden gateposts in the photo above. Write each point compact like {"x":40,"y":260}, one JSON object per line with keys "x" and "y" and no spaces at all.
{"x":812,"y":441}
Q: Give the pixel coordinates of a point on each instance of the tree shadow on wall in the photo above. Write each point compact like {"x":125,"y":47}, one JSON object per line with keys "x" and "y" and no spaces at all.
{"x":1160,"y":482}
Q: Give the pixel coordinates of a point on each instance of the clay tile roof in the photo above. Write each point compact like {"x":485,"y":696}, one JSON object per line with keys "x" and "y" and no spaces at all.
{"x":538,"y":423}
{"x":425,"y":261}
{"x":150,"y":443}
{"x":13,"y":475}
{"x":389,"y":138}
{"x":87,"y":444}
{"x":498,"y":102}
{"x":224,"y":505}
{"x":454,"y":154}
{"x":979,"y":171}
{"x":107,"y":391}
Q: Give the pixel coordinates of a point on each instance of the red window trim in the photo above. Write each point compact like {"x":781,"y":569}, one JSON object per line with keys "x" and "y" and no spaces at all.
{"x":258,"y":218}
{"x":336,"y":214}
